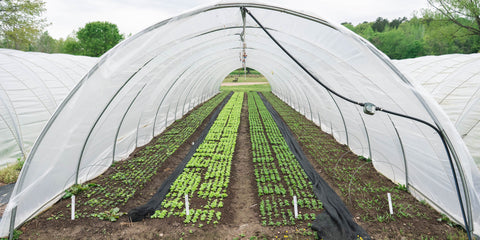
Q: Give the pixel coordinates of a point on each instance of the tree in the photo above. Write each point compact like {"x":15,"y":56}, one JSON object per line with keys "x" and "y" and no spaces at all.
{"x":98,"y":37}
{"x":21,"y":22}
{"x":395,"y":23}
{"x":364,"y":29}
{"x":70,"y":45}
{"x":455,"y":10}
{"x":380,"y":24}
{"x":45,"y":44}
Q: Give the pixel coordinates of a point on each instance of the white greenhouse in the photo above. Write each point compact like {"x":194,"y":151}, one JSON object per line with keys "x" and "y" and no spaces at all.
{"x":146,"y":82}
{"x":454,"y":82}
{"x":31,"y":88}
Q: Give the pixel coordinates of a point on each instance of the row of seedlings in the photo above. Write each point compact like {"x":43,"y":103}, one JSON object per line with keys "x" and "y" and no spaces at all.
{"x":351,"y":174}
{"x":108,"y":193}
{"x":279,"y":177}
{"x":207,"y":174}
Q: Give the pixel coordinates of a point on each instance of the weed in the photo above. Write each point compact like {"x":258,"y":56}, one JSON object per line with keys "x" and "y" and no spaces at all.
{"x":16,"y":234}
{"x":113,"y":215}
{"x":401,"y":187}
{"x":76,"y":189}
{"x":10,"y":173}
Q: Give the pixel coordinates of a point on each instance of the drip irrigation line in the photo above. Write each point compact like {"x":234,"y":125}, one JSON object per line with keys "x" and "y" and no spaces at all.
{"x":148,"y":209}
{"x":436,"y":128}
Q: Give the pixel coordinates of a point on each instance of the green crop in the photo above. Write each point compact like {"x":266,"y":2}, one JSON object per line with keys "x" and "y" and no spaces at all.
{"x":278,"y":175}
{"x":207,"y":174}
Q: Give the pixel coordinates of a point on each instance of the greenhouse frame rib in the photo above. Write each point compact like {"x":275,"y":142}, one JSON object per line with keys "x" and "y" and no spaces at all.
{"x":448,"y":148}
{"x":213,"y":58}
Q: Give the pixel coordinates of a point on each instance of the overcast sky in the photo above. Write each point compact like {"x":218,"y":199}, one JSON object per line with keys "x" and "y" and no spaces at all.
{"x":132,"y":16}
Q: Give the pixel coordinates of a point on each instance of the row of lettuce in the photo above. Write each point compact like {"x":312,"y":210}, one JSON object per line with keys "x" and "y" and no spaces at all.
{"x":206,"y":177}
{"x":107,"y":194}
{"x":351,"y":174}
{"x":278,"y":174}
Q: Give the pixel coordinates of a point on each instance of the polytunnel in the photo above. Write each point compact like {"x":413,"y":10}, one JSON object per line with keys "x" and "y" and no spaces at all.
{"x":453,"y":81}
{"x":151,"y":79}
{"x":32,"y":86}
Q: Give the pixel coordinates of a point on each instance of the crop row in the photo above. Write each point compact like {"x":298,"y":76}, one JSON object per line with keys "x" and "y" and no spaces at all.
{"x":278,"y":175}
{"x":116,"y":187}
{"x":351,"y":174}
{"x":207,"y":174}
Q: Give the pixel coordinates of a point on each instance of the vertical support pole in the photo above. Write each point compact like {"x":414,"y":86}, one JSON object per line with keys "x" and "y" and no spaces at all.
{"x":12,"y":223}
{"x":73,"y":207}
{"x":390,"y":203}
{"x":187,"y":207}
{"x":295,"y":207}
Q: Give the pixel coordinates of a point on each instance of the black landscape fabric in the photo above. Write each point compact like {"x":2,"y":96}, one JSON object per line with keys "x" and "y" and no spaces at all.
{"x":139,"y":213}
{"x":336,"y":222}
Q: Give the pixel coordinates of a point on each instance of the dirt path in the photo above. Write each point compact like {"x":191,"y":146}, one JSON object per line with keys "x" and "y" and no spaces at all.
{"x":243,"y":188}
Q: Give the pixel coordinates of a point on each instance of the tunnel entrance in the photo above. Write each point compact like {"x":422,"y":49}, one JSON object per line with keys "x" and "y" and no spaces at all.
{"x":245,"y":81}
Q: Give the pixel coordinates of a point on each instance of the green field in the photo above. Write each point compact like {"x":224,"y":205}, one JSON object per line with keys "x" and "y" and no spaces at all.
{"x":248,"y":88}
{"x":249,"y":78}
{"x":241,"y":71}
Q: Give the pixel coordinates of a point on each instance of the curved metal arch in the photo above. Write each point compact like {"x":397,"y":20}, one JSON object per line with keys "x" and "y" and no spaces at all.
{"x":300,"y":89}
{"x":405,"y":162}
{"x":16,"y":132}
{"x":366,"y":133}
{"x":189,"y":89}
{"x":186,"y":96}
{"x":232,"y":5}
{"x":437,"y":123}
{"x":343,"y":118}
{"x":293,"y":87}
{"x":207,"y":71}
{"x":280,"y":63}
{"x":165,"y":96}
{"x":26,"y":165}
{"x":192,"y":65}
{"x":58,"y":63}
{"x":161,"y":103}
{"x":45,"y":88}
{"x":100,"y":116}
{"x":338,"y":107}
{"x":121,"y":122}
{"x":173,"y":53}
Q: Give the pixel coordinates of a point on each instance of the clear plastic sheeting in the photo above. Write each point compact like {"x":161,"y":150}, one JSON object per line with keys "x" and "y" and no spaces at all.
{"x":153,"y":78}
{"x":32,"y":85}
{"x":454,"y":82}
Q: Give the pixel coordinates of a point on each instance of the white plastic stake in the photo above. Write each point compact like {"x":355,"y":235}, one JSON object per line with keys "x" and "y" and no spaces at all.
{"x":187,"y":209}
{"x":73,"y":207}
{"x":295,"y":208}
{"x":390,"y":203}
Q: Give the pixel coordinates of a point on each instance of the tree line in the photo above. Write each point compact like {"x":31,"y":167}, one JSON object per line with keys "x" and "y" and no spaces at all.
{"x":22,"y":24}
{"x":93,"y":40}
{"x":431,"y":34}
{"x":452,"y":26}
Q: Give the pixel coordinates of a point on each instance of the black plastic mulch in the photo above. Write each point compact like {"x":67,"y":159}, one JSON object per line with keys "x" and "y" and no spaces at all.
{"x":144,"y":211}
{"x":336,"y":222}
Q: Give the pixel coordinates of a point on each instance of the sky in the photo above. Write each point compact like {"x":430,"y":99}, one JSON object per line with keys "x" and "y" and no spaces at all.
{"x":132,"y":16}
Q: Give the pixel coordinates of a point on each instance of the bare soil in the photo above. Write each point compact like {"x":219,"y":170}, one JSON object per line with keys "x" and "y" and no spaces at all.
{"x":241,"y":220}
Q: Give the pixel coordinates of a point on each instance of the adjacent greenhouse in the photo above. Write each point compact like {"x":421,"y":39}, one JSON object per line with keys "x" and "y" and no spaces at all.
{"x":321,"y":69}
{"x":454,"y":82}
{"x":32,"y":86}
